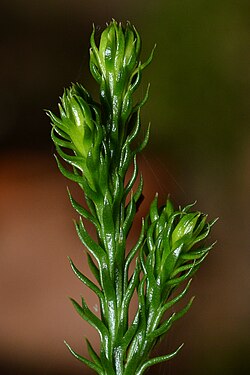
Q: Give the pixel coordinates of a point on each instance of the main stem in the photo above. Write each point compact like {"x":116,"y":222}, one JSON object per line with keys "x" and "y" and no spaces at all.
{"x":114,"y":243}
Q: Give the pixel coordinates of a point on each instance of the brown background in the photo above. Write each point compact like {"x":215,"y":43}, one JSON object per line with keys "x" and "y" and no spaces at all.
{"x":199,"y":150}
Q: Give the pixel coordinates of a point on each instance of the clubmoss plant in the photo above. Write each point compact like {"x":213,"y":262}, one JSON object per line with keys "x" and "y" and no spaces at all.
{"x":99,"y":141}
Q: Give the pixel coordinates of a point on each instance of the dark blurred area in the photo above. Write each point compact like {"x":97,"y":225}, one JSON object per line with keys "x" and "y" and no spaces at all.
{"x":199,"y":150}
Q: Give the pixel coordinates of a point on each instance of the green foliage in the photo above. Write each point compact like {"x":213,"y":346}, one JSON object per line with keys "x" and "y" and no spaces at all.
{"x":100,"y":141}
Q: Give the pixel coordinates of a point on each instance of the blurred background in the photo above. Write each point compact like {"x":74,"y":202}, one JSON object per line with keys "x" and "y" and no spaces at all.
{"x":199,"y":150}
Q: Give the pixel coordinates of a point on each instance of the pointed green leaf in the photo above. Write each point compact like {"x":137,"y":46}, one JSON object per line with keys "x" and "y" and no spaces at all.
{"x":82,"y":211}
{"x":139,"y":190}
{"x":93,"y":354}
{"x":86,"y":281}
{"x":91,"y":318}
{"x":93,"y":268}
{"x":164,"y":327}
{"x":90,"y":244}
{"x":156,"y":360}
{"x":182,"y":312}
{"x":86,"y":361}
{"x":171,"y":303}
{"x":71,"y":176}
{"x":130,"y":214}
{"x":153,"y":211}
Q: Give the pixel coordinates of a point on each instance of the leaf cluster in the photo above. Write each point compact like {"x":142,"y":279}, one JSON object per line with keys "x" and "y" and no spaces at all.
{"x":99,"y":141}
